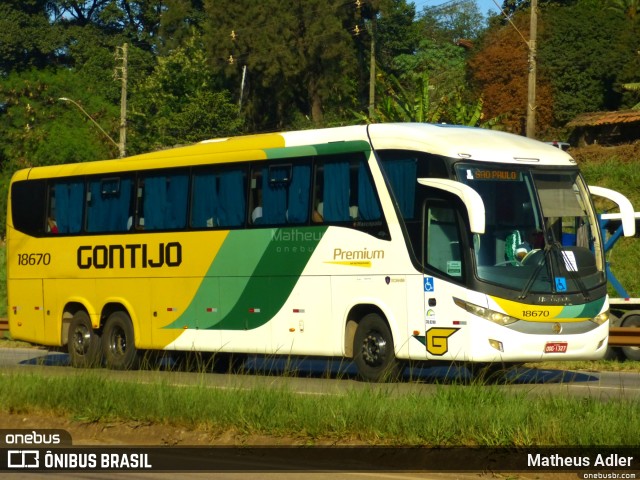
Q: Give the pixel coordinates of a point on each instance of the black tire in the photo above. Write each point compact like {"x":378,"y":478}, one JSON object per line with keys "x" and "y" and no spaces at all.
{"x":229,"y":362}
{"x":118,"y":343}
{"x":631,"y":320}
{"x":83,"y":343}
{"x":373,"y":351}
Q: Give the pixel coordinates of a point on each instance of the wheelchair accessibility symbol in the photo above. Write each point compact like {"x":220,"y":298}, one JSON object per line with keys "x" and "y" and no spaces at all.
{"x":428,"y":284}
{"x":561,"y":284}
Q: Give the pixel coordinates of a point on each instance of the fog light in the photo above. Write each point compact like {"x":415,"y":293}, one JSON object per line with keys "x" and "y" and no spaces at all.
{"x":496,"y":344}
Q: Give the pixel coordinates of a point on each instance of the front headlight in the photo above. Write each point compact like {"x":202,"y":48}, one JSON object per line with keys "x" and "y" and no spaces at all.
{"x":486,"y":313}
{"x":601,"y":318}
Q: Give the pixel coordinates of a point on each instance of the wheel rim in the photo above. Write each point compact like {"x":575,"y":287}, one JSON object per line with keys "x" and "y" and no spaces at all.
{"x":374,"y":349}
{"x":81,"y":339}
{"x":118,"y":341}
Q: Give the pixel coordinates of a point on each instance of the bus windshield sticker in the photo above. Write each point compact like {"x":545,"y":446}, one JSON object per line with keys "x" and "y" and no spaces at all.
{"x":561,"y":284}
{"x":570,"y":261}
{"x":454,"y":268}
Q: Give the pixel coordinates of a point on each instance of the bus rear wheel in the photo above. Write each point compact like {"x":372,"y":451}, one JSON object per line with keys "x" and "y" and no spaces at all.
{"x":83,"y":343}
{"x":373,"y":350}
{"x":118,"y":343}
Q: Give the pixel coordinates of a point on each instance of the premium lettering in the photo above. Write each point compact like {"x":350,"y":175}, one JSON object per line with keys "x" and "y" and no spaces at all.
{"x":137,"y":255}
{"x":339,"y":254}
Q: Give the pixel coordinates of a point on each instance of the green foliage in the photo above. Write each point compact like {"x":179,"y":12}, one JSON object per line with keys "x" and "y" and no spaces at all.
{"x":178,"y":103}
{"x":26,"y":38}
{"x":576,"y":51}
{"x":298,"y":59}
{"x":418,"y":102}
{"x":397,"y":34}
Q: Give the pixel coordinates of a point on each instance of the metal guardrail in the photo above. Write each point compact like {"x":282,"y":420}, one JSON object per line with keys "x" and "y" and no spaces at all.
{"x":624,"y":337}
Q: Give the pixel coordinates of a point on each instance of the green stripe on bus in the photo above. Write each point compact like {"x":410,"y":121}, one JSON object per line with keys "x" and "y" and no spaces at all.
{"x":250,"y":278}
{"x":322,"y":149}
{"x":587,"y":310}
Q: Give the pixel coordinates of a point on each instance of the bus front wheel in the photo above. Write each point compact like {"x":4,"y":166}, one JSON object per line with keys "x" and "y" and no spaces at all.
{"x":83,"y":343}
{"x":373,"y":351}
{"x":118,"y":344}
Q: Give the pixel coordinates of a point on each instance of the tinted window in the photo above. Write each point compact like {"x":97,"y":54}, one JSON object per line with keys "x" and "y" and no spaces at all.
{"x":27,"y":201}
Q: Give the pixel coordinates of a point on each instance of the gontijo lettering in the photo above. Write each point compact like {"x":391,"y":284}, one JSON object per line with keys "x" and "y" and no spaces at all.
{"x":136,"y":255}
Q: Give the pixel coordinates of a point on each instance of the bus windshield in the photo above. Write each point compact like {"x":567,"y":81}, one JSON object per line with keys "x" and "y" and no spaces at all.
{"x":541,"y":235}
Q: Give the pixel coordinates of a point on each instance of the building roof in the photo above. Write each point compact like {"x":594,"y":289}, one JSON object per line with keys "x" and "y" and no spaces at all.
{"x":593,"y":119}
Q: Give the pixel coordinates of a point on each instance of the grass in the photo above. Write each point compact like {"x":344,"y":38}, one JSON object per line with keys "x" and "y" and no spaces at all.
{"x":454,"y":415}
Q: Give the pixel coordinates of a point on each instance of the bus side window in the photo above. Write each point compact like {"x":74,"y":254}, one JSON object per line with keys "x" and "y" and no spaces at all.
{"x":219,"y":198}
{"x":401,"y":173}
{"x":108,"y":203}
{"x":27,"y":200}
{"x":335,"y":192}
{"x":344,"y":193}
{"x":280,"y":194}
{"x":165,"y":200}
{"x":443,"y":247}
{"x":65,"y":207}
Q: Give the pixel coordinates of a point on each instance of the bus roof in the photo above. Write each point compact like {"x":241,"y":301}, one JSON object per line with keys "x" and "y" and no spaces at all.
{"x":440,"y":139}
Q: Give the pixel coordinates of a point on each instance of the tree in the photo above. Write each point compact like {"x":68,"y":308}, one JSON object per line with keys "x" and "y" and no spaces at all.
{"x":582,"y":52}
{"x":299,"y":56}
{"x":179,"y":103}
{"x":26,"y":37}
{"x":178,"y":19}
{"x":499,"y":72}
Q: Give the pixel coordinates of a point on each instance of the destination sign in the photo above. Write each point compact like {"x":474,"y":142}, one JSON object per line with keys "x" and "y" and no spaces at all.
{"x":493,"y":175}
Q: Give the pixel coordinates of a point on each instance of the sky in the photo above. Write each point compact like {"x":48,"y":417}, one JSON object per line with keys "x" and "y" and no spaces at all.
{"x":483,"y":5}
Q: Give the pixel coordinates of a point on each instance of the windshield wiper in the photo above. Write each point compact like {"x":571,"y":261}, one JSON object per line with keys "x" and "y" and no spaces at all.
{"x":571,"y":271}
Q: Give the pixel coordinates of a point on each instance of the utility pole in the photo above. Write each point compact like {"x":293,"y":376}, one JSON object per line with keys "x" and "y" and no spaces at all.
{"x":372,"y":70}
{"x":123,"y":100}
{"x":531,"y":97}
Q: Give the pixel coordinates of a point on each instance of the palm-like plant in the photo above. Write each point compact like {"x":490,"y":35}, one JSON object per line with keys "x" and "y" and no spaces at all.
{"x":632,"y":87}
{"x":629,"y":7}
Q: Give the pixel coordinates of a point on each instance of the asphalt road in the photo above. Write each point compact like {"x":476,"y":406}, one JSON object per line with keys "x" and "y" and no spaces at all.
{"x":320,"y":376}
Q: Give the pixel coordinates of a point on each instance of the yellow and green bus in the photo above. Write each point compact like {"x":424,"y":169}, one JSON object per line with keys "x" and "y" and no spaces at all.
{"x":384,"y":244}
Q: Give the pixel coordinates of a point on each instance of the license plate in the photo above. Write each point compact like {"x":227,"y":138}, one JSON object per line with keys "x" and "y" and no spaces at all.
{"x":556,"y":347}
